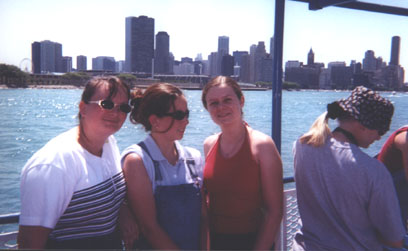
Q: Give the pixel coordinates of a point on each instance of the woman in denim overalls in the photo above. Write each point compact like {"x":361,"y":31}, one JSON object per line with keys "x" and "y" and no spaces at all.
{"x":163,"y":177}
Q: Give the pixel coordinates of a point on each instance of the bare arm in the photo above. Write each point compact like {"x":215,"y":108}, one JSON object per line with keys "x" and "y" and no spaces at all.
{"x":128,"y":226}
{"x":272,"y":191}
{"x":32,"y":237}
{"x":401,"y":143}
{"x":141,"y":201}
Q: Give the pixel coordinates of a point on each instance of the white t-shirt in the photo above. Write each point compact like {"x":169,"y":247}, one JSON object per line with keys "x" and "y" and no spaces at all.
{"x":172,"y":175}
{"x":61,"y":169}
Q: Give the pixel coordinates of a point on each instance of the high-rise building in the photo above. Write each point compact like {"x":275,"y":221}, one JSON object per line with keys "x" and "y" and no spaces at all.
{"x":238,"y":57}
{"x":227,"y":65}
{"x":212,"y":59}
{"x":260,"y":54}
{"x":66,"y":64}
{"x":395,"y":50}
{"x":81,"y":63}
{"x":162,"y":53}
{"x":310,"y":57}
{"x":369,"y":61}
{"x":46,"y":57}
{"x":223,"y":49}
{"x":36,"y":57}
{"x":139,"y":48}
{"x":252,"y":51}
{"x":103,"y":64}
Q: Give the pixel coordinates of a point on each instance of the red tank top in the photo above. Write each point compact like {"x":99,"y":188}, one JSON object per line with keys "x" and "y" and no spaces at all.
{"x":390,"y":155}
{"x":234,"y":189}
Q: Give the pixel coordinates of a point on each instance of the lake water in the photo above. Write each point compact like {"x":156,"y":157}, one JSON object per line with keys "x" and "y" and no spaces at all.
{"x":31,"y":117}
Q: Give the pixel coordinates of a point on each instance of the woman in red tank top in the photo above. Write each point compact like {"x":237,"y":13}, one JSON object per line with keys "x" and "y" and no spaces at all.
{"x":242,"y":174}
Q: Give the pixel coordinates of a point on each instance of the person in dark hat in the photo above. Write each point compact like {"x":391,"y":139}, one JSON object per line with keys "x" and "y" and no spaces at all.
{"x":346,"y":198}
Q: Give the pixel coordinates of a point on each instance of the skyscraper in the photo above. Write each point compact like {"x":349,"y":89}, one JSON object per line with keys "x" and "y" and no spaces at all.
{"x":162,"y":53}
{"x":46,"y":57}
{"x":139,"y":48}
{"x":369,"y":61}
{"x":395,"y":49}
{"x":223,"y":49}
{"x":310,"y":57}
{"x":36,"y":57}
{"x":81,"y":63}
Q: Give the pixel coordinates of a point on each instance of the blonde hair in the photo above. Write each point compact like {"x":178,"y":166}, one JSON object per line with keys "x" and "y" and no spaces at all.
{"x":318,"y":132}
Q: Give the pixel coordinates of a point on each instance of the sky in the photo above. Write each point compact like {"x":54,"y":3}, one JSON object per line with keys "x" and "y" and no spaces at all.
{"x":97,"y":28}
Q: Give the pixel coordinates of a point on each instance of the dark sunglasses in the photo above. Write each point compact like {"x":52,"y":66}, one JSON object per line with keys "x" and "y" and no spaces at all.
{"x":109,"y":105}
{"x":178,"y":115}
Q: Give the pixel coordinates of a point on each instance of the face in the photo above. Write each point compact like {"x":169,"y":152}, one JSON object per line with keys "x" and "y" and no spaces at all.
{"x":224,"y":105}
{"x":367,"y":137}
{"x":176,"y":132}
{"x":103,"y":121}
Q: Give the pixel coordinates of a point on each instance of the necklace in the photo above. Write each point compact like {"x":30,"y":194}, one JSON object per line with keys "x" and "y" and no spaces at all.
{"x":348,"y":135}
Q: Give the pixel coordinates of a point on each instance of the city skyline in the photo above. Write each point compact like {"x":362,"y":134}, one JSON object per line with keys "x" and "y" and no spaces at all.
{"x":191,"y":33}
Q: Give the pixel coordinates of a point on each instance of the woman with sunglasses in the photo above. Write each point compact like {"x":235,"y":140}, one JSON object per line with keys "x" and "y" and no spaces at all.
{"x":242,"y":174}
{"x":163,"y":177}
{"x":73,"y":187}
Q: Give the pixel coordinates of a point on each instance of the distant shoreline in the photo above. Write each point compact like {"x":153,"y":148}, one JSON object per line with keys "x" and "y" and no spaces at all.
{"x":44,"y":87}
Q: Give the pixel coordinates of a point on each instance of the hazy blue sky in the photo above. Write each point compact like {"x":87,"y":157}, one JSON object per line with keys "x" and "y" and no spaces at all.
{"x":97,"y":28}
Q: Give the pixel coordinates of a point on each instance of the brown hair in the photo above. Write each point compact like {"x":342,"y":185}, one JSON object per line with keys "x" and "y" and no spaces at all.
{"x":157,"y":99}
{"x":114,"y":84}
{"x":219,"y":81}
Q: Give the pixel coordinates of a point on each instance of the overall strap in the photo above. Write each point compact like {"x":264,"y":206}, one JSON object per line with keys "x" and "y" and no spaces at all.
{"x":157,"y":172}
{"x":191,"y":164}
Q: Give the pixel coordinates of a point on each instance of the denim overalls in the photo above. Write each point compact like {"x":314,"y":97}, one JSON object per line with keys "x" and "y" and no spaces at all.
{"x":179,"y":206}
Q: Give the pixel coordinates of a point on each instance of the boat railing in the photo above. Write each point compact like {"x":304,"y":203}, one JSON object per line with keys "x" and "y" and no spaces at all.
{"x":289,"y":225}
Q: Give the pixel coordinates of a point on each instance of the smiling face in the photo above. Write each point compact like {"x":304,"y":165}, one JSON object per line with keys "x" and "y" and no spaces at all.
{"x":172,"y":129}
{"x":102,"y":121}
{"x":224,"y":105}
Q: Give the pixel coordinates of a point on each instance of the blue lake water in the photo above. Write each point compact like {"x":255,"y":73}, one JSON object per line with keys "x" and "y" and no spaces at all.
{"x":31,"y":117}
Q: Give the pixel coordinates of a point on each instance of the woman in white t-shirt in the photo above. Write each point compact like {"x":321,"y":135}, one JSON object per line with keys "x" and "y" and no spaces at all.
{"x":73,"y":187}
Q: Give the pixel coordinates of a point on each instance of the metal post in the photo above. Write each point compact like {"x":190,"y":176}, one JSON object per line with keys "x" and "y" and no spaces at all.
{"x":277,"y":73}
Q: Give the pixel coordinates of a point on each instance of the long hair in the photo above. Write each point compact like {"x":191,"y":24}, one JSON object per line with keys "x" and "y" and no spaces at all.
{"x":318,"y":132}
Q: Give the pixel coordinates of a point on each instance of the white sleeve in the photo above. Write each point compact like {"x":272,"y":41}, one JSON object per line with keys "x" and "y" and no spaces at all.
{"x":45,"y":191}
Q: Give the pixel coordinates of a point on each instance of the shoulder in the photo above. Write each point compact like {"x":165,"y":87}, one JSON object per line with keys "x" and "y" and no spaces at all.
{"x":56,"y":152}
{"x":209,"y":142}
{"x":192,"y":152}
{"x":131,"y":154}
{"x":401,"y":140}
{"x":260,"y":140}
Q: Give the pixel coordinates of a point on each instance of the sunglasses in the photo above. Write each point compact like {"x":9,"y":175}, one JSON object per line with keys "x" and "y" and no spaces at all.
{"x":109,"y":105}
{"x":178,"y":115}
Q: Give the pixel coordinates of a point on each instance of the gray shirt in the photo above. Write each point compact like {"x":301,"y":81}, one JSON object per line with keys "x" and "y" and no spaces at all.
{"x":345,"y":198}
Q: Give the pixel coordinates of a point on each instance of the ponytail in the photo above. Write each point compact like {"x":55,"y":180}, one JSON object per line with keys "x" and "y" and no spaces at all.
{"x":318,"y":133}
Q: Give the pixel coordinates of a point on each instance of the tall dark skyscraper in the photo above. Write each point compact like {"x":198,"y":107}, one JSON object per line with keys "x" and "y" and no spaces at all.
{"x":46,"y":57}
{"x":139,"y":48}
{"x":223,"y":49}
{"x":310,"y":57}
{"x":395,"y":50}
{"x":36,"y":57}
{"x":162,"y":53}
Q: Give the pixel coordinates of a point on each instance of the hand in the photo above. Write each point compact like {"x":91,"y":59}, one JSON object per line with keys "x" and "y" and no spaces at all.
{"x":128,"y":227}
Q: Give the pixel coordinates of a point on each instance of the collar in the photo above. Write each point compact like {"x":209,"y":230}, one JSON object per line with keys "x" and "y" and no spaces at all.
{"x":156,"y":153}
